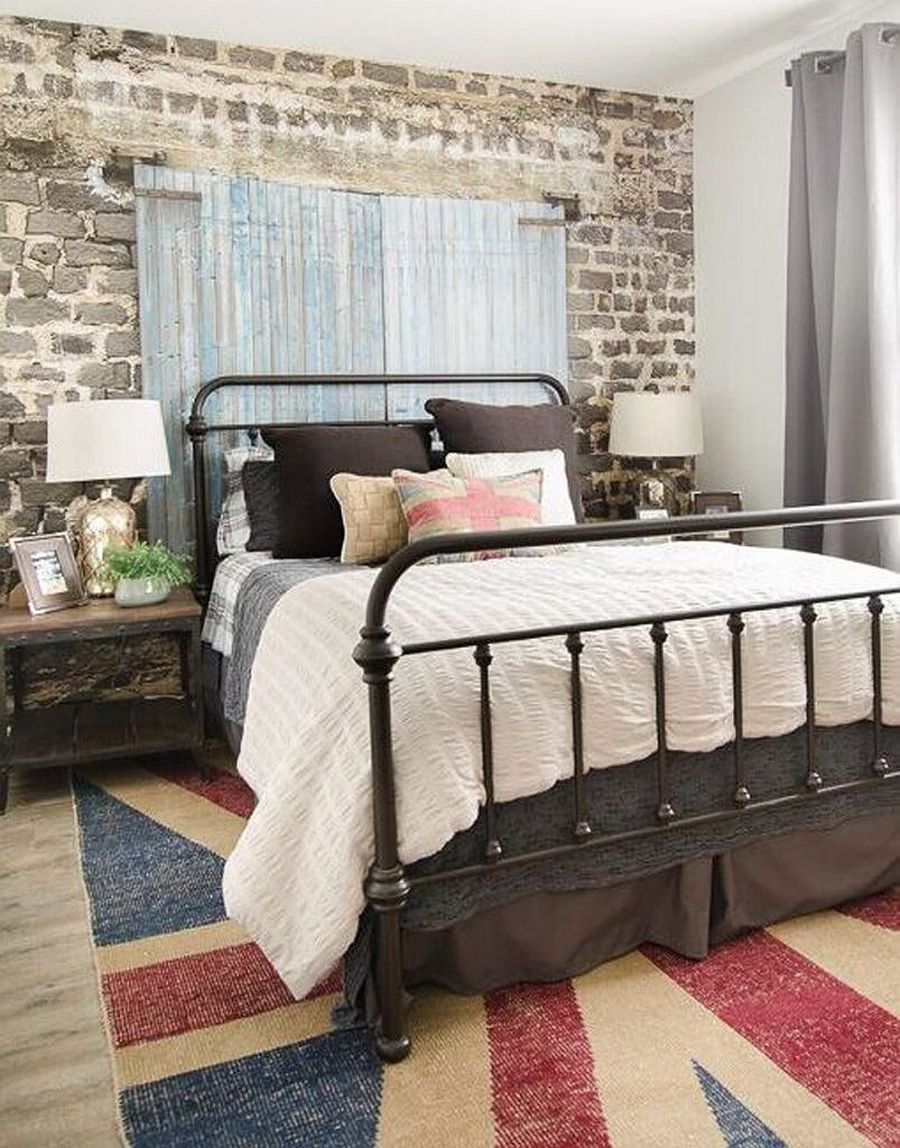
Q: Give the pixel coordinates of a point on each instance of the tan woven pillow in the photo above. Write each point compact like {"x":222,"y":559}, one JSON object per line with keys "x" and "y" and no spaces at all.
{"x":374,"y":525}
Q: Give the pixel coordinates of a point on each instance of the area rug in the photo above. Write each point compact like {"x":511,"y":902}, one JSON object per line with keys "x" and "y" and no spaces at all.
{"x":789,"y":1036}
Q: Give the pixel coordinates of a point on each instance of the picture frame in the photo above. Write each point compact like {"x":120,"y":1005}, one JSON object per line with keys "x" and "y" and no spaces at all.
{"x":719,"y":502}
{"x":49,"y":572}
{"x":652,"y":514}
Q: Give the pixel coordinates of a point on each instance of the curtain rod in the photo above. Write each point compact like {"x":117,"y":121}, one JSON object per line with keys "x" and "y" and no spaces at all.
{"x":825,"y":61}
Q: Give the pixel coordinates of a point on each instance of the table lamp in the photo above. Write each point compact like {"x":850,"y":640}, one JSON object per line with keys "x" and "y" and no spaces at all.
{"x":104,"y":439}
{"x":654,"y":425}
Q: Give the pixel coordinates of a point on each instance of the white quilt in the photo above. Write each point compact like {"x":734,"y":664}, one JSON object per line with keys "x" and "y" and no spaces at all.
{"x":295,"y":879}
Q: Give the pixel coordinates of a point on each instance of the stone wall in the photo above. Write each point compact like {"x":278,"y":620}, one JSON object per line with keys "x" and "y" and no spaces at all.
{"x":78,"y":103}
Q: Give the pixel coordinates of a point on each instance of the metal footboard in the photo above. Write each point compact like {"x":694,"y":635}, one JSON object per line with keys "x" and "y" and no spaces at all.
{"x":388,"y":886}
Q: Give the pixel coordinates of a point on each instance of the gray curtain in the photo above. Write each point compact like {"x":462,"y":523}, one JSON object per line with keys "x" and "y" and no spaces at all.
{"x":842,"y":418}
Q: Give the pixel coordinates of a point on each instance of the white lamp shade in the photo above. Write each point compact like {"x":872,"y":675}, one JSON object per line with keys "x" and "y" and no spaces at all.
{"x":105,"y":439}
{"x":650,"y":425}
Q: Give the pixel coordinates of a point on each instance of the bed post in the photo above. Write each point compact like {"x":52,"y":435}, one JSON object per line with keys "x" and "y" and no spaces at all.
{"x":386,"y":887}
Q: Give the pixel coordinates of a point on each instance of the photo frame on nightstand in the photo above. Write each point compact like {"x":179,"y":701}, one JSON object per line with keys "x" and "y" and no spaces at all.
{"x":719,"y":502}
{"x":49,"y":572}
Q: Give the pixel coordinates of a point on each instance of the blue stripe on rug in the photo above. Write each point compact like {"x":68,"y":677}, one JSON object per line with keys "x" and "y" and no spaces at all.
{"x":740,"y":1127}
{"x":321,"y":1093}
{"x":142,"y":878}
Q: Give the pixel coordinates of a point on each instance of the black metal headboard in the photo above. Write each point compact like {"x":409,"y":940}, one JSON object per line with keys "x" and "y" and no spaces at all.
{"x":198,"y":428}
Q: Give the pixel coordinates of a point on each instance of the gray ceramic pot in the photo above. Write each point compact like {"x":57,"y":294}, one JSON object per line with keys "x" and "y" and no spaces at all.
{"x":142,"y":591}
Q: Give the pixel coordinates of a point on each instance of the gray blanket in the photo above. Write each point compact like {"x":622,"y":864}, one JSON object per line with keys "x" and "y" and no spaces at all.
{"x":256,"y":600}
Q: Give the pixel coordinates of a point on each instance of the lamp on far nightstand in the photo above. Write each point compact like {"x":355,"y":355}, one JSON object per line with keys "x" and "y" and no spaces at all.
{"x":647,"y":424}
{"x":104,"y":439}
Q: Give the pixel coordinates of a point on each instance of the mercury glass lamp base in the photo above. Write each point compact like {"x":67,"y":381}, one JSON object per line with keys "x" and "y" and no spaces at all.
{"x":106,"y":522}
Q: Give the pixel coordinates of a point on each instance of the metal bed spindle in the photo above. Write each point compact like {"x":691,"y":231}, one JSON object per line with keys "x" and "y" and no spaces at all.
{"x":736,"y":627}
{"x":493,"y":850}
{"x":664,"y":809}
{"x":575,"y":646}
{"x":879,"y":761}
{"x":808,"y":616}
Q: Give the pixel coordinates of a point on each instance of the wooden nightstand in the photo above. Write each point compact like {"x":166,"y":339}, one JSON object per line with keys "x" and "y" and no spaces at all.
{"x":78,"y":732}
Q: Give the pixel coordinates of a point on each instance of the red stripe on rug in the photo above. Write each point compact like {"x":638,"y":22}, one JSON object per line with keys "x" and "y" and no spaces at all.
{"x":224,"y":789}
{"x":883,"y":910}
{"x":192,"y":992}
{"x":835,"y":1042}
{"x":542,"y":1070}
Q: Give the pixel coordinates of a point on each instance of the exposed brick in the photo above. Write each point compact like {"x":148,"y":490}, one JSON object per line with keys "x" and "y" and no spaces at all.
{"x":181,"y":103}
{"x":61,"y":223}
{"x":667,"y":120}
{"x":116,"y":282}
{"x":476,"y":88}
{"x":664,"y":370}
{"x":114,"y":226}
{"x":15,"y":51}
{"x":16,"y":344}
{"x":100,"y":314}
{"x":5,"y":282}
{"x":38,"y":373}
{"x":625,"y":369}
{"x":37,"y":492}
{"x":252,"y":58}
{"x":435,"y":81}
{"x":119,"y":344}
{"x":612,"y":348}
{"x":146,"y":41}
{"x":673,"y":200}
{"x":146,"y":99}
{"x":105,"y":376}
{"x":68,"y":279}
{"x":579,"y":348}
{"x":71,"y":195}
{"x":632,"y":323}
{"x":11,"y":249}
{"x":31,"y":432}
{"x":10,"y":406}
{"x":84,"y":253}
{"x":341,"y":69}
{"x":595,"y":280}
{"x":15,"y":463}
{"x":71,"y":344}
{"x":31,"y":283}
{"x":196,"y":49}
{"x":46,"y":253}
{"x":650,"y":346}
{"x":303,"y":62}
{"x":392,"y":74}
{"x":238,"y":112}
{"x":680,"y":242}
{"x":33,"y":312}
{"x":684,"y":347}
{"x":58,"y":87}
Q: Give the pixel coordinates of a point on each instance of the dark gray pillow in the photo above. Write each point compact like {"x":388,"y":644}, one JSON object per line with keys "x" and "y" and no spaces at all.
{"x":479,"y":428}
{"x":260,"y":481}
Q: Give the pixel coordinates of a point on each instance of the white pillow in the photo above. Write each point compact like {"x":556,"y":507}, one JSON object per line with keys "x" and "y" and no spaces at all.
{"x":233,"y":531}
{"x":556,"y":502}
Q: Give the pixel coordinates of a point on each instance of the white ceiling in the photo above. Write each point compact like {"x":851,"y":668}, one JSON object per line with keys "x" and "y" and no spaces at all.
{"x":674,"y":47}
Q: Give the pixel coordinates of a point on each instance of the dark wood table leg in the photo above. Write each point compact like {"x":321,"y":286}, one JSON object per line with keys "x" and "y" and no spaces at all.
{"x":6,"y":729}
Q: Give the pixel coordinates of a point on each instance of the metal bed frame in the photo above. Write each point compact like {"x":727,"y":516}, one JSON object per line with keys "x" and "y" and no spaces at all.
{"x":388,"y":886}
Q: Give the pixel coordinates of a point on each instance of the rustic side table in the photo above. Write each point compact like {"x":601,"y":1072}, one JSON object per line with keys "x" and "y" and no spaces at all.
{"x":78,"y":732}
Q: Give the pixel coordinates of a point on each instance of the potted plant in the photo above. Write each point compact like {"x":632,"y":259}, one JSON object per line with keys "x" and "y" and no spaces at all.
{"x":145,"y":573}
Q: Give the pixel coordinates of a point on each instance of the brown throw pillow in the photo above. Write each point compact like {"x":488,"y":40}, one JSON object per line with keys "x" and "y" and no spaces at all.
{"x":476,"y":428}
{"x":374,"y":525}
{"x":306,"y":459}
{"x":260,"y":482}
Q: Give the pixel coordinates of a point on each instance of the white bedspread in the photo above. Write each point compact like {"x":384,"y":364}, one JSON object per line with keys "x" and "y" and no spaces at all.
{"x":295,"y":879}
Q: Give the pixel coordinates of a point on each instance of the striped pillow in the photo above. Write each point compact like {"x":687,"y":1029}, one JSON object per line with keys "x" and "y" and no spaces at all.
{"x":438,"y":503}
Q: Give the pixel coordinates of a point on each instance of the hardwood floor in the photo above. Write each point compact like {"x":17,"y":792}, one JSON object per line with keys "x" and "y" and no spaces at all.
{"x":56,"y":1085}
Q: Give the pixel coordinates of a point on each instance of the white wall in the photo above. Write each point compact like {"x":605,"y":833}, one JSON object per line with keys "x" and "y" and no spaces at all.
{"x":741,"y":171}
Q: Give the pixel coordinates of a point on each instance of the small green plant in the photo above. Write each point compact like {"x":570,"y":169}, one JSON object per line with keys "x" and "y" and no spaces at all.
{"x":146,"y":560}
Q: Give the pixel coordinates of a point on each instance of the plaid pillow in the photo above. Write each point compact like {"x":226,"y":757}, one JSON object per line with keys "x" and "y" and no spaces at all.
{"x":233,"y":531}
{"x":439,"y":503}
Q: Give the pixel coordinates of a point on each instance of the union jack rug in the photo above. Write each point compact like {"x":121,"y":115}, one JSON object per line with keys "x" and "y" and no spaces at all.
{"x":789,"y":1036}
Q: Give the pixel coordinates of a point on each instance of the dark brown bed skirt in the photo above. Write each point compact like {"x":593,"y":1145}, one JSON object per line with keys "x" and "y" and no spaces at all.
{"x":550,"y":936}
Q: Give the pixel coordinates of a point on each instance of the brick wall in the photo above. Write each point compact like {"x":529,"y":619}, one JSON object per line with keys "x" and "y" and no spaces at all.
{"x":79,"y":102}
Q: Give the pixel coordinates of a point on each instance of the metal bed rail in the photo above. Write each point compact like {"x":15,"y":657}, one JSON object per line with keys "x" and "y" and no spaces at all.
{"x":388,"y":886}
